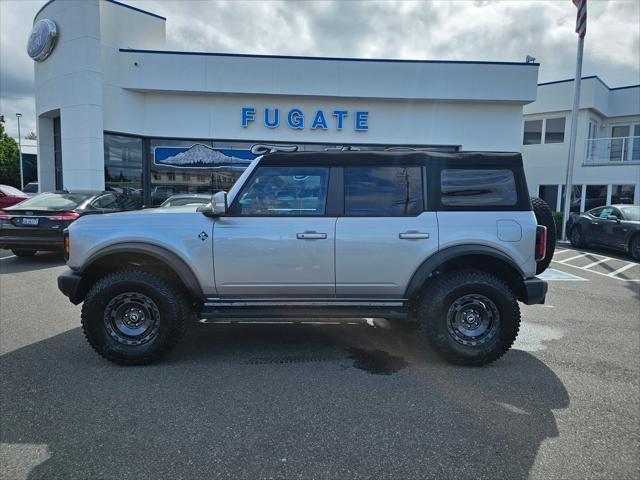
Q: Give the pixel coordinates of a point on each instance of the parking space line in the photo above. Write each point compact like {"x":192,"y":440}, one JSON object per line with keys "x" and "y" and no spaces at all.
{"x":8,"y":256}
{"x":599,"y":273}
{"x":596,"y":263}
{"x":572,"y":258}
{"x":622,"y":269}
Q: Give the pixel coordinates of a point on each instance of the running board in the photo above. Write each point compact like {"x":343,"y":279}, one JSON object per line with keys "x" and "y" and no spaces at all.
{"x":303,"y":309}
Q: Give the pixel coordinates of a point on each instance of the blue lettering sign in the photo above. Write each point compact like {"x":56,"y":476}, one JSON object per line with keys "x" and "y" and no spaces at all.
{"x":361,"y":121}
{"x":248,"y":115}
{"x":295,"y":118}
{"x":319,"y":121}
{"x":339,"y":114}
{"x":276,"y":118}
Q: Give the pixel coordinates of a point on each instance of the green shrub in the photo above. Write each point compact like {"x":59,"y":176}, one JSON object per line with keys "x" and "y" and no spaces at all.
{"x":557,"y":218}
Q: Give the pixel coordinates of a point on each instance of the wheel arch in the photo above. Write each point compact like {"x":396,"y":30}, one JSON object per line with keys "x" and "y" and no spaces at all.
{"x":479,"y":257}
{"x":143,"y":256}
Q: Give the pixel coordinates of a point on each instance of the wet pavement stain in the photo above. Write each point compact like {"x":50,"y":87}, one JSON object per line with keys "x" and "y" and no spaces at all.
{"x":376,"y":362}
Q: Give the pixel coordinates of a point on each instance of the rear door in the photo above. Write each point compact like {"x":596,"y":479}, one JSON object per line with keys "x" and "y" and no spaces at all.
{"x":278,"y":238}
{"x":385,"y":232}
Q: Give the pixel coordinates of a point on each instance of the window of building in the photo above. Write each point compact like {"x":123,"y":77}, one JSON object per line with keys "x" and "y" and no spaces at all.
{"x":554,"y":130}
{"x":57,"y":154}
{"x":623,"y":194}
{"x":277,"y":191}
{"x":478,"y":187}
{"x":123,"y":167}
{"x":576,"y":198}
{"x":595,"y":196}
{"x":532,"y":132}
{"x":383,"y":191}
{"x":549,"y":193}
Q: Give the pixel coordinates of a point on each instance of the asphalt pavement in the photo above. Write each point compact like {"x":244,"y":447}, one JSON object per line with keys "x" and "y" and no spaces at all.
{"x":322,"y":401}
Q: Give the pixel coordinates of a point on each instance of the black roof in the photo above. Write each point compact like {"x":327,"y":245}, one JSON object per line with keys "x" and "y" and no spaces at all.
{"x":393,"y":157}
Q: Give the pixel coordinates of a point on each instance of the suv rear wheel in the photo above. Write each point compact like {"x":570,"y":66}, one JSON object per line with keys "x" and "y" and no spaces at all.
{"x":133,"y":317}
{"x":470,"y":317}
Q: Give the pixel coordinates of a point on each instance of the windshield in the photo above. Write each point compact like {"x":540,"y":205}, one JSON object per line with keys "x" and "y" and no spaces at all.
{"x":54,"y":201}
{"x":631,"y":213}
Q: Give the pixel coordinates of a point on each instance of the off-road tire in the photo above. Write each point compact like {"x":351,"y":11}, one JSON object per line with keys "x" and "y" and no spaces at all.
{"x":23,"y":253}
{"x":545,"y":217}
{"x":172,"y":322}
{"x":434,"y":305}
{"x":576,"y":237}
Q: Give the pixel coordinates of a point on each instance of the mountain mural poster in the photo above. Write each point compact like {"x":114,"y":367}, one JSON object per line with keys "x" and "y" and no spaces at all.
{"x":202,"y":157}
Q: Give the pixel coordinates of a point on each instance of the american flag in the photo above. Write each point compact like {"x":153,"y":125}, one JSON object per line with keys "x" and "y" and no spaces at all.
{"x":581,"y":19}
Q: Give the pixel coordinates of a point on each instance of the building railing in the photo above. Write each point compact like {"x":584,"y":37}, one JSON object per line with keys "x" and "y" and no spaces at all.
{"x":612,"y":151}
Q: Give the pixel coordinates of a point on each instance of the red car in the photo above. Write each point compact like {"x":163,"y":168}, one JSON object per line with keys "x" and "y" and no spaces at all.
{"x":10,"y":196}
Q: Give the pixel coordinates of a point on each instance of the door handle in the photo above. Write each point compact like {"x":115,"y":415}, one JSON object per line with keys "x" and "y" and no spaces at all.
{"x":311,"y":236}
{"x":413,"y":235}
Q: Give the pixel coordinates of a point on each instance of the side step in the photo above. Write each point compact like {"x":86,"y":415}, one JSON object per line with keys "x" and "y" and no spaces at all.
{"x":303,"y":309}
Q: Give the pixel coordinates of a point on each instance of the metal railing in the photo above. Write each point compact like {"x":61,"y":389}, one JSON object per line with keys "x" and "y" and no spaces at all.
{"x":612,"y":151}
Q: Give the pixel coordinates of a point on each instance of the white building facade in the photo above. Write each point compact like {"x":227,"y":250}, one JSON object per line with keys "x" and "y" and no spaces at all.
{"x":116,"y":110}
{"x":607,"y":157}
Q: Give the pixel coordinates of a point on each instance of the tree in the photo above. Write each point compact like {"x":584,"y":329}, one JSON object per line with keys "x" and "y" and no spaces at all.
{"x":31,"y":136}
{"x":9,"y":160}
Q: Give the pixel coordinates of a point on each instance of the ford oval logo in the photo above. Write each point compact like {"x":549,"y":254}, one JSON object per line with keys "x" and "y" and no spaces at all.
{"x":42,"y":39}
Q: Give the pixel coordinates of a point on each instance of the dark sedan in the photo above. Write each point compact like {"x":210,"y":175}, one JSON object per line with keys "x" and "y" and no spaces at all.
{"x":38,"y":222}
{"x":613,"y":226}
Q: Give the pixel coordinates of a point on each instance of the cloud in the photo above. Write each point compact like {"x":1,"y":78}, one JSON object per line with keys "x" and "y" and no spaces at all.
{"x":456,"y":30}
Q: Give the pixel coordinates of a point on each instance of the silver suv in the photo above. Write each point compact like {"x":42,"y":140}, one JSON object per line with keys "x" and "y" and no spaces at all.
{"x":446,"y":243}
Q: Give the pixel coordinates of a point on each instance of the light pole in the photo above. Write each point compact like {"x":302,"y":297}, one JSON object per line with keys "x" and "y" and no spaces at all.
{"x":18,"y":115}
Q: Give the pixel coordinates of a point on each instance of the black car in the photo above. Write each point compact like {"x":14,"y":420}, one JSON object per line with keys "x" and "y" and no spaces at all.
{"x":613,"y":226}
{"x":38,"y":222}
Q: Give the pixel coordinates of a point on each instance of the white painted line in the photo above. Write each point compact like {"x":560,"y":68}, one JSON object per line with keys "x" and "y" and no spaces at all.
{"x":622,"y":269}
{"x":598,"y":273}
{"x":573,"y":258}
{"x":552,"y":275}
{"x":596,"y":263}
{"x":8,"y":256}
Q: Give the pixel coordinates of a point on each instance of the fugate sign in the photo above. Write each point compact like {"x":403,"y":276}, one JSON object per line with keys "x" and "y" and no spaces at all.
{"x":319,"y":120}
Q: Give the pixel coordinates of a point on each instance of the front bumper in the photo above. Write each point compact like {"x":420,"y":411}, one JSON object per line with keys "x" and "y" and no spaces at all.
{"x":535,"y":291}
{"x":69,"y":285}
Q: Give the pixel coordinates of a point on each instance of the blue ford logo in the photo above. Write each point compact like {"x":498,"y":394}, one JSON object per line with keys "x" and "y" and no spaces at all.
{"x":42,"y":39}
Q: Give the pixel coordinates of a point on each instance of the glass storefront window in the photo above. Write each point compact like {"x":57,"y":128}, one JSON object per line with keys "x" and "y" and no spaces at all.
{"x":123,"y":167}
{"x":623,"y":194}
{"x":596,"y":196}
{"x":549,"y":193}
{"x":576,"y":197}
{"x":194,"y":166}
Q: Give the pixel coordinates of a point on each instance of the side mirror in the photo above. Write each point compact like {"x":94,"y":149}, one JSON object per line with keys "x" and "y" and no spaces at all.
{"x":217,"y":207}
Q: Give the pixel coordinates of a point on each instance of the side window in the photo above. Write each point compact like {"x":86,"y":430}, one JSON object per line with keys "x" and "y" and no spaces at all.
{"x":295,"y":191}
{"x":108,"y":201}
{"x":383,"y":191}
{"x":605,"y":212}
{"x":478,"y":188}
{"x":595,"y":212}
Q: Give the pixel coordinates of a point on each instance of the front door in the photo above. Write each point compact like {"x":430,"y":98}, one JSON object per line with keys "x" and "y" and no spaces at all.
{"x":385,"y":234}
{"x":277,"y":240}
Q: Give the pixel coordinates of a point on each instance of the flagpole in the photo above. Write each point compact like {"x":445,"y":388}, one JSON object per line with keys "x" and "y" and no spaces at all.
{"x":572,"y":138}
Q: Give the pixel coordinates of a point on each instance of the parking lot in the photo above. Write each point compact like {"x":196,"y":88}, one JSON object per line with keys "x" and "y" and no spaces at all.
{"x":326,"y":401}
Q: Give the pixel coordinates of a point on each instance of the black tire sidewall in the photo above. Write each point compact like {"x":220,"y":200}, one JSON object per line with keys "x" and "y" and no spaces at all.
{"x":433,"y":321}
{"x":576,"y":238}
{"x":635,"y":240}
{"x":23,"y":252}
{"x":104,"y":291}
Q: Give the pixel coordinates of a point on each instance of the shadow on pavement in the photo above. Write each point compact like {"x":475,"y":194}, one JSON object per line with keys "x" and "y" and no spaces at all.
{"x":281,"y":401}
{"x":29,"y":264}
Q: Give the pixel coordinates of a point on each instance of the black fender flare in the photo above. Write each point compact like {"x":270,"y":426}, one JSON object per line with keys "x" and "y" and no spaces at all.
{"x":173,"y":261}
{"x":434,"y":261}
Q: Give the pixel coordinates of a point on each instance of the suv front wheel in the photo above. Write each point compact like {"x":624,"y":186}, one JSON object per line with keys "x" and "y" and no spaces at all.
{"x":133,"y":317}
{"x":470,"y":317}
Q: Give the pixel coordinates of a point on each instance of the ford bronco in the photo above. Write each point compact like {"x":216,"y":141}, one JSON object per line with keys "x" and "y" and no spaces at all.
{"x":447,"y":243}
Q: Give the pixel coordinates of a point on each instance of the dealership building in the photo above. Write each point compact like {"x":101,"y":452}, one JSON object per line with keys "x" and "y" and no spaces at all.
{"x":115,"y":109}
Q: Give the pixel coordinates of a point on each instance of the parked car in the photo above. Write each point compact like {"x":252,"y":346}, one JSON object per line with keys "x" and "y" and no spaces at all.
{"x":10,"y":196}
{"x":187,"y":199}
{"x":31,"y":188}
{"x":339,"y":235}
{"x":613,"y":226}
{"x":38,"y":222}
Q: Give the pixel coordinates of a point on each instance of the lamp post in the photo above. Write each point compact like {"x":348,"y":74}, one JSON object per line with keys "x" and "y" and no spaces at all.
{"x":18,"y":115}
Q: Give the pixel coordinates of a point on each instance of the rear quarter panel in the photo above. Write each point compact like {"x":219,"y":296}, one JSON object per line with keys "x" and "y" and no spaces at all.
{"x":498,"y":230}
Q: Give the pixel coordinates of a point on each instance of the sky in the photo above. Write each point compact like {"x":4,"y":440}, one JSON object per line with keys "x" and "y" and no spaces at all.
{"x":440,"y":30}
